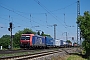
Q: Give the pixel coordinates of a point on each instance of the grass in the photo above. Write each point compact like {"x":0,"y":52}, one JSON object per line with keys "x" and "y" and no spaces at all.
{"x":68,"y":57}
{"x":59,"y":58}
{"x":75,"y":57}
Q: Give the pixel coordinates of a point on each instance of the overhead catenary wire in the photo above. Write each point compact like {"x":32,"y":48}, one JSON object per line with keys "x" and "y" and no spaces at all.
{"x":20,"y":25}
{"x":64,"y":7}
{"x":44,"y":8}
{"x":38,"y":2}
{"x":13,"y":21}
{"x":50,"y":11}
{"x":20,"y":15}
{"x":39,"y":12}
{"x":31,"y":13}
{"x":65,"y":21}
{"x":46,"y":18}
{"x":31,"y":19}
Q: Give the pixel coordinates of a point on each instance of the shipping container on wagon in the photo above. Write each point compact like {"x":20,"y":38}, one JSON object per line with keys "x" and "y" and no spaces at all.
{"x":64,"y":43}
{"x":57,"y":43}
{"x":49,"y":41}
{"x":38,"y":40}
{"x":61,"y":42}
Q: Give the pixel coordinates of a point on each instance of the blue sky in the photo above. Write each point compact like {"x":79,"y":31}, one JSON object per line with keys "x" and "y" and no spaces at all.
{"x":31,"y":13}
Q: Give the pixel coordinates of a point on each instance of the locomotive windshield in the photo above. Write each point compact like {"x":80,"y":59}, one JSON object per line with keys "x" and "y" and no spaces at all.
{"x":25,"y":37}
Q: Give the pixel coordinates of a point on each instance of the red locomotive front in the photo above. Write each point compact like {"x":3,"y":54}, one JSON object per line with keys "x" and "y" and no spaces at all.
{"x":26,"y":40}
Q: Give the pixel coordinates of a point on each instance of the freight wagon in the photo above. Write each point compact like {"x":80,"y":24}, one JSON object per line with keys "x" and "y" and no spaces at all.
{"x":57,"y":43}
{"x":38,"y":41}
{"x":60,"y":43}
{"x":49,"y":41}
{"x":65,"y":44}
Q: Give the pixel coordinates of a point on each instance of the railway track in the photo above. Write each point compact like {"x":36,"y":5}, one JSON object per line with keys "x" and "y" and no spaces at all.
{"x":22,"y":50}
{"x":31,"y":56}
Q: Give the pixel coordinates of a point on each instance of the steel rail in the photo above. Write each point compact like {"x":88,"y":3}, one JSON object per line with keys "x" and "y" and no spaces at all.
{"x":30,"y":56}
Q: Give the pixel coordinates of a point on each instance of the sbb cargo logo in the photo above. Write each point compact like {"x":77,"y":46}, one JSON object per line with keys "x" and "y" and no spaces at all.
{"x":38,"y":41}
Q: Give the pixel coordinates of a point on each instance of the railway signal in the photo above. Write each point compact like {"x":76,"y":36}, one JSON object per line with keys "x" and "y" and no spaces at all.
{"x":10,"y":24}
{"x":72,"y":38}
{"x":10,"y":29}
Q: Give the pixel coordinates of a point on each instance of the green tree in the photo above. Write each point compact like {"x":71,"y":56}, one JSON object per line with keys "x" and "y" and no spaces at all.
{"x":84,"y":25}
{"x":17,"y":36}
{"x":46,"y":35}
{"x":68,"y":41}
{"x":5,"y":41}
{"x":42,"y":33}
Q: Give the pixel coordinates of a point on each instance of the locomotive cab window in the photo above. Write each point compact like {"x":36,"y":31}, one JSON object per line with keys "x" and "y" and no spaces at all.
{"x":25,"y":37}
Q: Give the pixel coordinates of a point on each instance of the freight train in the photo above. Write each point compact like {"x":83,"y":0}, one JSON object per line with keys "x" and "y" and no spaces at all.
{"x":36,"y":41}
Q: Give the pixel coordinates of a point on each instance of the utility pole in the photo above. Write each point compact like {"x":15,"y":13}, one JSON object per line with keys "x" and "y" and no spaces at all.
{"x":11,"y":40}
{"x":55,"y":30}
{"x":78,"y":14}
{"x":66,"y":36}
